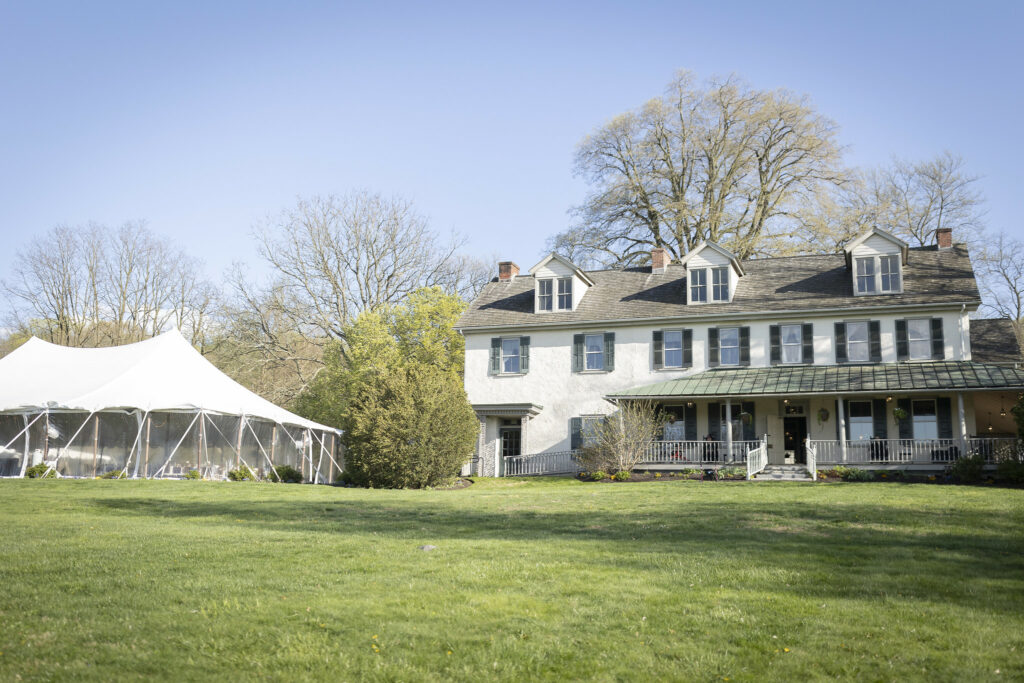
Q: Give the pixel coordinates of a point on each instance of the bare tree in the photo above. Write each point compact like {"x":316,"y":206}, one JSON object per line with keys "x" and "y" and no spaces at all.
{"x":619,"y":442}
{"x":1000,"y":269}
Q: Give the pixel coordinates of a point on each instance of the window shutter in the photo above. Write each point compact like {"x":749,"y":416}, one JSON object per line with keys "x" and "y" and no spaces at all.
{"x":846,"y":418}
{"x":878,"y":414}
{"x":841,"y":343}
{"x":577,"y":352}
{"x":688,"y":354}
{"x":744,"y":346}
{"x":715,"y":421}
{"x":944,"y":413}
{"x":659,"y":349}
{"x":907,"y":423}
{"x":938,"y":342}
{"x":713,"y":347}
{"x":575,"y":432}
{"x":690,"y":422}
{"x":902,"y":345}
{"x":875,"y":335}
{"x":609,"y":351}
{"x":524,"y":355}
{"x":775,"y":344}
{"x":808,"y":351}
{"x":749,"y":429}
{"x":495,"y":367}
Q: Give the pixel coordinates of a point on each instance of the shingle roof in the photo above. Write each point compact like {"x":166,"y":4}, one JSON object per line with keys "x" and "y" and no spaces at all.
{"x":787,"y":283}
{"x":993,"y":340}
{"x":830,"y":379}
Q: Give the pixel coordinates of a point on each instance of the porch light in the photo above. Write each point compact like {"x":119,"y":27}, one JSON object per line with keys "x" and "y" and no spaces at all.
{"x":689,"y":404}
{"x":786,"y":401}
{"x":1002,"y":406}
{"x":888,"y":399}
{"x":990,"y":421}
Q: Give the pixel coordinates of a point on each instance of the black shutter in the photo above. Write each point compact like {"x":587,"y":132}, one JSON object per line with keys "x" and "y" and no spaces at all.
{"x":659,"y":349}
{"x":688,"y":350}
{"x":744,"y":346}
{"x":495,"y":367}
{"x":715,"y":421}
{"x":878,"y":414}
{"x":609,"y":351}
{"x":524,"y":355}
{"x":938,"y":342}
{"x":808,"y":334}
{"x":749,"y":427}
{"x":713,"y":347}
{"x":577,"y":352}
{"x":840,"y":344}
{"x":902,"y":345}
{"x":775,"y":345}
{"x":690,"y":422}
{"x":875,"y":335}
{"x":944,"y":413}
{"x":846,"y":418}
{"x":907,"y":423}
{"x":575,"y":432}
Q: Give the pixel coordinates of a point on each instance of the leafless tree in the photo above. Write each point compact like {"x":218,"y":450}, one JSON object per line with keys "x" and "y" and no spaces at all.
{"x":999,"y":265}
{"x":619,"y":442}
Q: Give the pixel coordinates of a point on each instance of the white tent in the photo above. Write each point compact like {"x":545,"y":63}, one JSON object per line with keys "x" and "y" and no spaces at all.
{"x":156,"y":408}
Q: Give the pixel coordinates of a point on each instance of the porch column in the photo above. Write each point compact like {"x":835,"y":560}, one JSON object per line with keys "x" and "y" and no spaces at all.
{"x":480,"y":445}
{"x":841,"y":416}
{"x":523,"y":422}
{"x":728,"y":429}
{"x":962,"y":422}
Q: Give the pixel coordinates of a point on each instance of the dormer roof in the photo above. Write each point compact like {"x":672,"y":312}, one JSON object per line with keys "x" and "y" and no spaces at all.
{"x":714,"y":246}
{"x":565,"y":262}
{"x":875,"y":231}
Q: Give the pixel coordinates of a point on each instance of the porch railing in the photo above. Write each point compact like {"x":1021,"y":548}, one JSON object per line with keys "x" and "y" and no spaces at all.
{"x":698,"y":452}
{"x":913,"y":451}
{"x":559,"y":462}
{"x":757,"y":459}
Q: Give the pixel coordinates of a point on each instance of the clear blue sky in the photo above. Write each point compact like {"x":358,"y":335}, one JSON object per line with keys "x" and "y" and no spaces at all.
{"x":204,"y":117}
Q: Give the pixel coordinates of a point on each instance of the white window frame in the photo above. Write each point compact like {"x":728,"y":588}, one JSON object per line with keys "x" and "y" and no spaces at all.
{"x":565,"y":293}
{"x":665,"y":348}
{"x":701,"y":286}
{"x":720,"y":283}
{"x":722,"y":347}
{"x":799,"y":344}
{"x":866,"y":342}
{"x":549,"y":296}
{"x":587,"y":353}
{"x":932,"y":419}
{"x":874,"y":279}
{"x":926,"y":340}
{"x":862,"y":428}
{"x":897,"y":274}
{"x":865,"y":281}
{"x":516,"y":357}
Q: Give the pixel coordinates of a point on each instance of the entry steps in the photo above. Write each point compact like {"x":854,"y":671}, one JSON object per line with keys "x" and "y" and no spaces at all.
{"x":783,"y":473}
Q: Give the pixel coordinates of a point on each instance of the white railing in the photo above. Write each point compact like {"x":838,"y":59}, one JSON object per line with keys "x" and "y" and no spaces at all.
{"x":697,"y":452}
{"x":559,"y":462}
{"x":811,"y":451}
{"x":995,"y":449}
{"x":913,"y":451}
{"x":757,"y":458}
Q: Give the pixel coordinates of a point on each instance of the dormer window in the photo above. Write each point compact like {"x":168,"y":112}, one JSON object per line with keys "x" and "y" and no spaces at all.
{"x":716,"y":286}
{"x":565,"y":294}
{"x":560,"y":285}
{"x":875,"y":259}
{"x":720,"y":283}
{"x":544,"y":297}
{"x":878,"y":274}
{"x":699,"y":286}
{"x":866,"y":275}
{"x":890,"y":270}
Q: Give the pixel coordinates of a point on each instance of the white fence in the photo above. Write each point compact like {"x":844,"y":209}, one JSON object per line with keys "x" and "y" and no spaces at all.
{"x":913,"y":451}
{"x":697,"y":452}
{"x":757,"y":459}
{"x":560,"y":462}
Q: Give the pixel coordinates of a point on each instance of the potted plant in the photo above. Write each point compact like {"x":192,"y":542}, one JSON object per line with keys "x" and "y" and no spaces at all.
{"x":822,"y":415}
{"x":899,"y":413}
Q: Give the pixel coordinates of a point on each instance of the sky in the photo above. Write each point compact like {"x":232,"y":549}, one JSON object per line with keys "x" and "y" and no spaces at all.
{"x":205,"y":119}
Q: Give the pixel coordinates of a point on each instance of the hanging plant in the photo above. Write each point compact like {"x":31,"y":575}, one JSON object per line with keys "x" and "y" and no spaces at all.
{"x":822,"y":415}
{"x":746,"y":418}
{"x":899,"y":414}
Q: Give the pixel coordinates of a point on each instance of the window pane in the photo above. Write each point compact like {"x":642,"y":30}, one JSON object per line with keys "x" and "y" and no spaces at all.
{"x":919,"y":329}
{"x":860,"y":409}
{"x":865,"y":266}
{"x":510,"y":355}
{"x":856,"y":332}
{"x":595,"y":352}
{"x":673,"y":339}
{"x":792,"y":354}
{"x":792,"y":334}
{"x":544,"y":295}
{"x":673,"y":348}
{"x":565,"y":294}
{"x":861,"y":429}
{"x":924,"y":408}
{"x":857,"y":352}
{"x":729,"y":336}
{"x":890,"y":269}
{"x":730,"y":356}
{"x":698,"y":286}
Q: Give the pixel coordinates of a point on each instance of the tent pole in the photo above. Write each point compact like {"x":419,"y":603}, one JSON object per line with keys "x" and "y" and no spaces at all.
{"x":149,"y":423}
{"x":95,"y":442}
{"x":202,"y":444}
{"x":238,"y":451}
{"x":273,"y":446}
{"x":46,"y":436}
{"x":188,"y":429}
{"x":330,"y":467}
{"x":24,"y":460}
{"x":34,"y":420}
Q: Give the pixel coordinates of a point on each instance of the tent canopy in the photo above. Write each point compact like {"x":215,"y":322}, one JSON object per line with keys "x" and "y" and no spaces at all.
{"x":160,"y":374}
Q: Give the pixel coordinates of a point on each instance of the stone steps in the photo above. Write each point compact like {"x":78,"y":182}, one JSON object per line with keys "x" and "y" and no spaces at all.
{"x":783,"y":473}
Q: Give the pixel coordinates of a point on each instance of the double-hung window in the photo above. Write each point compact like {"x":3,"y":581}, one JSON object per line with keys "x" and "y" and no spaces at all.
{"x":919,"y":338}
{"x":698,"y":286}
{"x":890,"y":269}
{"x":565,"y":294}
{"x":862,"y":424}
{"x":544,"y":298}
{"x":510,"y":356}
{"x":594,"y":349}
{"x":866,"y":275}
{"x":720,"y":283}
{"x":673,"y":341}
{"x":729,"y":345}
{"x":591,"y":424}
{"x":857,"y":342}
{"x":925,"y":417}
{"x":792,"y":339}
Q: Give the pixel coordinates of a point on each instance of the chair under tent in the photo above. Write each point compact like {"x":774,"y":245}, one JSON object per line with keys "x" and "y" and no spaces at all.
{"x":153,"y":409}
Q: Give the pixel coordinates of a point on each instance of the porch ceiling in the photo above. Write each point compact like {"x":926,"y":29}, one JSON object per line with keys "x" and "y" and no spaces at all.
{"x":833,"y":379}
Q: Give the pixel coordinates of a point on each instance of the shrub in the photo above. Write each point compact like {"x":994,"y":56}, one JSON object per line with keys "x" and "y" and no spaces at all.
{"x":241,"y":474}
{"x":621,"y":475}
{"x":856,"y":474}
{"x":620,"y":442}
{"x":114,"y":474}
{"x":968,"y":470}
{"x":38,"y":471}
{"x":600,"y":475}
{"x":732,"y":473}
{"x":1011,"y":472}
{"x":286,"y":474}
{"x":193,"y":474}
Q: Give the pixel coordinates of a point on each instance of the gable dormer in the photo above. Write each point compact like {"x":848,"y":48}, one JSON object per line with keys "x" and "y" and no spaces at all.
{"x":712,"y":273}
{"x":560,"y":285}
{"x":875,"y":261}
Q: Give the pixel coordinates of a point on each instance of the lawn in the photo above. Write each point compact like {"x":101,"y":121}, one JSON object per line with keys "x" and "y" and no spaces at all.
{"x":531,"y":579}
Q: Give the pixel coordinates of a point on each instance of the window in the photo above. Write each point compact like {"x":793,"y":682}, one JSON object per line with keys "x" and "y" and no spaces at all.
{"x":857,"y":346}
{"x":792,"y":337}
{"x":866,"y":275}
{"x":698,"y":286}
{"x":926,"y":424}
{"x":673,"y":348}
{"x":544,"y":298}
{"x":729,"y":345}
{"x":919,"y":338}
{"x":594,"y":348}
{"x":565,"y":294}
{"x":862,"y":424}
{"x":720,"y":283}
{"x":890,"y":268}
{"x":590,"y":425}
{"x":510,"y":356}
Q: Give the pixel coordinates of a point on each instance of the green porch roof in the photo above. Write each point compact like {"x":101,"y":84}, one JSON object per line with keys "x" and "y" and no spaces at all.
{"x":833,"y":379}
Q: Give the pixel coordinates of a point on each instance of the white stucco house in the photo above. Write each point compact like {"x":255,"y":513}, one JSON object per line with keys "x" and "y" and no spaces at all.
{"x":866,"y":357}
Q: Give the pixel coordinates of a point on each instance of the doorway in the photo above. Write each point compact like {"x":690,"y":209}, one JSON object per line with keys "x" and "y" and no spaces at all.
{"x":511,"y":441}
{"x":794,"y":441}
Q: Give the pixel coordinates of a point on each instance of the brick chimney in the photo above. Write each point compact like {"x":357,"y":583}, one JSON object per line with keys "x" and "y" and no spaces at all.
{"x":507,"y":271}
{"x":659,"y":260}
{"x":944,"y":238}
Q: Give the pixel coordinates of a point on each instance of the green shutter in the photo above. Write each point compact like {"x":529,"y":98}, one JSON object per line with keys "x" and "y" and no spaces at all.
{"x":907,"y":423}
{"x":775,"y":345}
{"x":749,"y":429}
{"x":902,"y":343}
{"x":841,"y":343}
{"x":658,"y":345}
{"x":577,"y":352}
{"x":609,"y":351}
{"x":880,"y":418}
{"x":713,"y":347}
{"x":846,"y":418}
{"x":495,"y":367}
{"x":808,"y":339}
{"x":690,"y":422}
{"x":944,"y":413}
{"x":524,"y":355}
{"x":688,"y":352}
{"x":875,"y":336}
{"x":715,"y":421}
{"x":938,"y":342}
{"x":744,"y":346}
{"x":575,"y":432}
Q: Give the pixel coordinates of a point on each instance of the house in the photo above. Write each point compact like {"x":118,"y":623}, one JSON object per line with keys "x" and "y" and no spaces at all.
{"x":866,"y":357}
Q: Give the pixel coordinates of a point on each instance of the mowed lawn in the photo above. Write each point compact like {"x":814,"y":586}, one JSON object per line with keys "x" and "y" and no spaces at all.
{"x":531,"y":579}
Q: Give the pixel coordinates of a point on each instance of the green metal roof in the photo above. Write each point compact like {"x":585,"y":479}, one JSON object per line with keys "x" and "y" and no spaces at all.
{"x":831,"y":379}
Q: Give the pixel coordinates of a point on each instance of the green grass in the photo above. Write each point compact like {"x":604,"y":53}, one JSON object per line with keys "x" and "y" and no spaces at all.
{"x":532,"y":579}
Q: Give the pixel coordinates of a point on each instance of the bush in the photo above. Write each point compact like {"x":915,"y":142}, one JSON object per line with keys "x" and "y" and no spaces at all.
{"x":408,"y":427}
{"x":600,"y":475}
{"x":1011,"y":472}
{"x":620,"y":442}
{"x":114,"y":474}
{"x":856,"y":474}
{"x":969,"y":470}
{"x":732,"y":473}
{"x":241,"y":474}
{"x":193,"y":474}
{"x":38,"y":471}
{"x":621,"y":475}
{"x":286,"y":474}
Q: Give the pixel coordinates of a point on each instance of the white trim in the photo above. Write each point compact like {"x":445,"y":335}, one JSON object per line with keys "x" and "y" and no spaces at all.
{"x":565,"y":262}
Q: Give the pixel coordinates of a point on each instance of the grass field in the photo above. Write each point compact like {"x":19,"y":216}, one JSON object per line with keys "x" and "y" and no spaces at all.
{"x":541,"y":579}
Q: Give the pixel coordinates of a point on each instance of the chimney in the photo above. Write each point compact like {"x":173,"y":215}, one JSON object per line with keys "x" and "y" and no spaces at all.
{"x":944,"y":238}
{"x":507,"y":271}
{"x":659,"y":259}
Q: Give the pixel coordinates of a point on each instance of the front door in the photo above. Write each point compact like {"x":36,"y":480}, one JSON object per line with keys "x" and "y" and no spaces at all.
{"x":511,"y":441}
{"x":795,"y":429}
